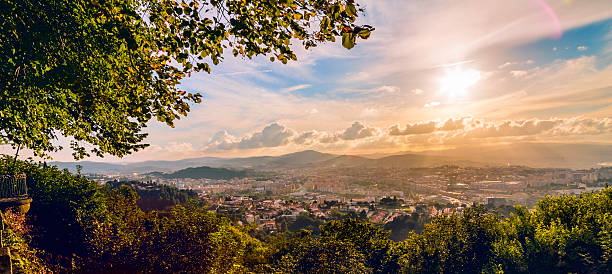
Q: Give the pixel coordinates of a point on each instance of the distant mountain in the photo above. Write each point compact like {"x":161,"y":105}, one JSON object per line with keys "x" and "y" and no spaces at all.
{"x":345,"y":161}
{"x":299,"y":159}
{"x":416,"y":160}
{"x":534,"y":154}
{"x":287,"y":161}
{"x":529,"y":154}
{"x":138,"y":167}
{"x":396,"y":161}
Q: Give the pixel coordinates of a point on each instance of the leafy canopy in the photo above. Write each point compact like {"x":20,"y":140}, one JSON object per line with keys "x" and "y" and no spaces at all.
{"x":97,"y":71}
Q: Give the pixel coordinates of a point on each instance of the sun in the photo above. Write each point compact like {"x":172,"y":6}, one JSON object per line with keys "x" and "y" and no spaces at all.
{"x":456,"y":80}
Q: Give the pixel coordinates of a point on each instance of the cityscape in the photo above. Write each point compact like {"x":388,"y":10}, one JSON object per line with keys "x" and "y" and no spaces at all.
{"x":270,"y":199}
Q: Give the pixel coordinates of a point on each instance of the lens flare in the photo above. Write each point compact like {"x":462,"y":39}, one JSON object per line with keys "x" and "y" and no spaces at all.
{"x":546,"y":8}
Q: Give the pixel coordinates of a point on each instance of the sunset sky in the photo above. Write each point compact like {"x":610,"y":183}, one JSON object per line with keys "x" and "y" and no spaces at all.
{"x":434,"y":75}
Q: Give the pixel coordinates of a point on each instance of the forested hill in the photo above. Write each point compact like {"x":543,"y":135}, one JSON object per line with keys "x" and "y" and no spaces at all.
{"x":206,"y":172}
{"x":156,"y":196}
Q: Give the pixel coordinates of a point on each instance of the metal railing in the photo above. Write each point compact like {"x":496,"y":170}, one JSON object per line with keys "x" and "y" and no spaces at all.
{"x":12,"y":186}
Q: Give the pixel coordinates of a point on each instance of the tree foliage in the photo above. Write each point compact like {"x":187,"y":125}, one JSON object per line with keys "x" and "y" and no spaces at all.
{"x":99,"y":71}
{"x":62,"y":206}
{"x":451,"y":244}
{"x":310,"y":254}
{"x":153,"y":196}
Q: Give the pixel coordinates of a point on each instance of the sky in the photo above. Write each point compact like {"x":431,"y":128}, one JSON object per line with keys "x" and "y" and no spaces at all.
{"x":434,"y":75}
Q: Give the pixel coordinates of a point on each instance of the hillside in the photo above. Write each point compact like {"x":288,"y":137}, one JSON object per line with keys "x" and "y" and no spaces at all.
{"x":204,"y":172}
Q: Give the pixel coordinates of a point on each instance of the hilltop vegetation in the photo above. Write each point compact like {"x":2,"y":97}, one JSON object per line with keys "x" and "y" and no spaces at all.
{"x":79,"y":226}
{"x":152,"y":196}
{"x":205,"y":172}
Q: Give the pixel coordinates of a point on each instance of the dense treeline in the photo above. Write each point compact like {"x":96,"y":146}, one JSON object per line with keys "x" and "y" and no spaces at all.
{"x":153,"y":196}
{"x":205,"y":172}
{"x":79,"y":226}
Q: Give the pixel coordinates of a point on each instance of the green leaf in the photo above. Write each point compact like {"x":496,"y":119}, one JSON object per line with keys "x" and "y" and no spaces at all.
{"x":351,"y":10}
{"x":364,"y":34}
{"x":348,"y":40}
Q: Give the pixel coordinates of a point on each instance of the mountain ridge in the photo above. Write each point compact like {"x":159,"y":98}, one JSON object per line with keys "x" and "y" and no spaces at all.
{"x":575,"y":156}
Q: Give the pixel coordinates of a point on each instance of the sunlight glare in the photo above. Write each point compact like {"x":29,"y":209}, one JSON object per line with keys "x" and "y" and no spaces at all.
{"x":457,"y":80}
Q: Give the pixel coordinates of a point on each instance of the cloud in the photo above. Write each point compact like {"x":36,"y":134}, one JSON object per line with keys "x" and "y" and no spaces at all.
{"x":277,"y":135}
{"x":222,"y":140}
{"x":512,"y":128}
{"x":432,"y":104}
{"x":583,"y":126}
{"x":513,"y":64}
{"x":507,"y":64}
{"x":417,"y":91}
{"x":454,"y":124}
{"x":237,"y":73}
{"x":306,"y":138}
{"x":384,"y":89}
{"x":296,"y":88}
{"x":518,"y":73}
{"x":450,"y":124}
{"x":417,"y":128}
{"x":582,"y":48}
{"x":563,"y":129}
{"x":278,"y":138}
{"x":388,"y":89}
{"x":273,"y":135}
{"x":358,"y":131}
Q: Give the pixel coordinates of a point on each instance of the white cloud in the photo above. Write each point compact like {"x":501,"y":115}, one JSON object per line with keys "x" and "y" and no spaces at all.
{"x":432,"y":104}
{"x":381,"y":90}
{"x":507,"y":64}
{"x":518,"y":73}
{"x":417,"y":91}
{"x":358,"y":131}
{"x":511,"y":128}
{"x":451,"y":131}
{"x":582,"y":48}
{"x":453,"y":124}
{"x":583,"y":126}
{"x":410,"y":129}
{"x":273,"y":135}
{"x":389,"y":89}
{"x":512,"y":64}
{"x":296,"y":88}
